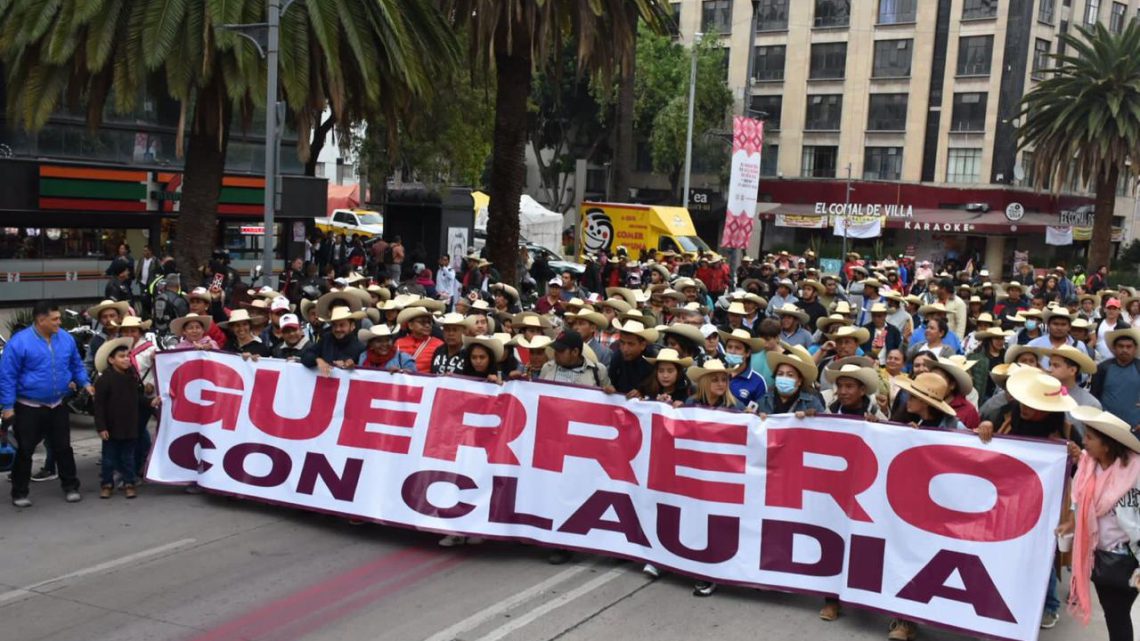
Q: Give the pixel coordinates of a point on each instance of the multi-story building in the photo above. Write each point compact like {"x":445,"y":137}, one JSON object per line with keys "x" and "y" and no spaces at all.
{"x":916,"y":101}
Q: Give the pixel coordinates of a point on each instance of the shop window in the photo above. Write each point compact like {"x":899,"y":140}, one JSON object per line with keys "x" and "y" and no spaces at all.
{"x":892,"y":59}
{"x":769,"y":160}
{"x":773,"y":15}
{"x":824,"y":113}
{"x":832,"y":13}
{"x":39,"y":243}
{"x":963,"y":166}
{"x":1116,"y":20}
{"x":882,"y":163}
{"x":773,"y":106}
{"x":828,"y":60}
{"x":768,"y":63}
{"x":969,"y":112}
{"x":887,"y":112}
{"x":819,"y":161}
{"x":979,"y":9}
{"x":897,"y":11}
{"x":716,"y":16}
{"x":1040,"y":57}
{"x":975,"y":53}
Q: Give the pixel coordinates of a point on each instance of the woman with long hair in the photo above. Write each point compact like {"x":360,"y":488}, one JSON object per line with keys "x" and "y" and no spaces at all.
{"x":936,"y":331}
{"x":667,"y":383}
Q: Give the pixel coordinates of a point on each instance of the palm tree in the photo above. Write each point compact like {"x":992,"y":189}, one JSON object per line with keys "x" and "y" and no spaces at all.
{"x":516,"y":37}
{"x":1083,"y":121}
{"x":356,"y":56}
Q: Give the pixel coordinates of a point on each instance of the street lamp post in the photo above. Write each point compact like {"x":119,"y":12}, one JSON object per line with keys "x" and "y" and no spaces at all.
{"x":689,"y":137}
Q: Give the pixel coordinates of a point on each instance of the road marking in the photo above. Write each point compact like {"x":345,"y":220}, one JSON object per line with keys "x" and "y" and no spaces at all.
{"x":507,"y":604}
{"x":554,"y":604}
{"x":29,"y":590}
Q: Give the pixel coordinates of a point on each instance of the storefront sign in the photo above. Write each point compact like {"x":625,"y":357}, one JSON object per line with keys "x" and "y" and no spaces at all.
{"x":1082,"y":217}
{"x":1014,"y":212}
{"x":957,"y":228}
{"x":701,"y":200}
{"x":252,"y":230}
{"x":859,"y":209}
{"x":801,"y":221}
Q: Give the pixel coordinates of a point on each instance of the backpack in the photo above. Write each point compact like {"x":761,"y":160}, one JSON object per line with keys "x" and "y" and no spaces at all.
{"x":7,"y":452}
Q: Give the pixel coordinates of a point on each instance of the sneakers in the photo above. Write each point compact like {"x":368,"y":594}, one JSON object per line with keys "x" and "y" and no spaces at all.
{"x":73,"y":496}
{"x":105,"y":491}
{"x":1049,"y":620}
{"x":558,"y":557}
{"x":901,"y":630}
{"x":130,"y":492}
{"x":452,"y":540}
{"x":44,"y":475}
{"x":23,"y":501}
{"x":651,"y":571}
{"x":703,"y":588}
{"x":830,"y":611}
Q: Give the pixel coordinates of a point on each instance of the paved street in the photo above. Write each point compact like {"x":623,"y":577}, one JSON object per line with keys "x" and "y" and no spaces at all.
{"x":176,"y":566}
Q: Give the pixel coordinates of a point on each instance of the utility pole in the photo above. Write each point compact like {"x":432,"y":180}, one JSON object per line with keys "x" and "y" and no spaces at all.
{"x":689,"y":137}
{"x":846,"y":204}
{"x":274,"y":25}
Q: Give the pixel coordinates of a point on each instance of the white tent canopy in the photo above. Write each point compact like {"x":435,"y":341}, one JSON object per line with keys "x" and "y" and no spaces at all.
{"x":537,"y":224}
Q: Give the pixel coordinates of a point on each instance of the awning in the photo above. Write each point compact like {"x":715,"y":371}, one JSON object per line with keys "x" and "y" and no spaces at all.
{"x":959,"y":221}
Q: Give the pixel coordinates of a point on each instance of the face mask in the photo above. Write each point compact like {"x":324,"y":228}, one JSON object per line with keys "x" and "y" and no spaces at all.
{"x":1031,"y":325}
{"x":732,"y":360}
{"x":785,"y":385}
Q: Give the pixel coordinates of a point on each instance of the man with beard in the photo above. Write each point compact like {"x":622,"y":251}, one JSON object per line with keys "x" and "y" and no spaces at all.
{"x":337,"y":347}
{"x":810,"y":292}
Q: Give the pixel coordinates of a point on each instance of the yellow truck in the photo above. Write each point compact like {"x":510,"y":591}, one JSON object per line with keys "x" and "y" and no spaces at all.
{"x":607,"y":226}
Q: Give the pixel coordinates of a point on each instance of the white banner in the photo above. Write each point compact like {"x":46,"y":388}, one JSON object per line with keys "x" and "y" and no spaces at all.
{"x":743,"y":182}
{"x":930,"y":525}
{"x":1058,"y":235}
{"x":858,"y":226}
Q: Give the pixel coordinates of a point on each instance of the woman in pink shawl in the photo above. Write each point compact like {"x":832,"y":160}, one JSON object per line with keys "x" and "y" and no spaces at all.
{"x":191,"y":329}
{"x":1106,"y":522}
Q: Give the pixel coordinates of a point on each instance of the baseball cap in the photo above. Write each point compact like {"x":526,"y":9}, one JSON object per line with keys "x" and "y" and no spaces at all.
{"x":290,"y":320}
{"x":569,"y":339}
{"x":280,"y":303}
{"x":554,"y":282}
{"x":1113,"y":302}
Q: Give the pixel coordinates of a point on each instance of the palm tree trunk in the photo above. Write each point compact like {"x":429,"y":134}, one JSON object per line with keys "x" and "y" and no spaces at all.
{"x":205,"y":166}
{"x":1100,"y":247}
{"x":318,"y":143}
{"x":508,"y":171}
{"x":623,"y":134}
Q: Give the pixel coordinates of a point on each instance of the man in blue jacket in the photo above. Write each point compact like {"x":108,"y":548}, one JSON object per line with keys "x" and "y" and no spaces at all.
{"x":39,"y":367}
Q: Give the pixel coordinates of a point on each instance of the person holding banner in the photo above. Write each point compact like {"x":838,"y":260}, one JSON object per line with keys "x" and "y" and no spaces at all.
{"x":481,"y":359}
{"x":668,"y":383}
{"x":338,"y":347}
{"x":418,"y":342}
{"x":381,"y":352}
{"x":793,"y":391}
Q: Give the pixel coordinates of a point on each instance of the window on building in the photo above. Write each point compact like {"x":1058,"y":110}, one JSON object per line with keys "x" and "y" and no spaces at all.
{"x":963,"y":165}
{"x":828,"y":60}
{"x":724,"y":53}
{"x":824,"y":112}
{"x":887,"y":112}
{"x":892,"y":59}
{"x":897,"y":11}
{"x":769,"y":63}
{"x":1029,"y":170}
{"x":769,"y":160}
{"x":673,"y":21}
{"x":773,"y":15}
{"x":1092,"y":12}
{"x":819,"y":162}
{"x":716,"y":16}
{"x":1046,"y":11}
{"x":1040,"y":57}
{"x":974,"y":55}
{"x":832,"y":13}
{"x":773,"y":106}
{"x":978,"y":9}
{"x":1116,"y":21}
{"x":969,"y":112}
{"x":882,"y":163}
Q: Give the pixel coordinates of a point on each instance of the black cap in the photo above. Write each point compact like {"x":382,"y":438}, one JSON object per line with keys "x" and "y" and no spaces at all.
{"x":568,"y":339}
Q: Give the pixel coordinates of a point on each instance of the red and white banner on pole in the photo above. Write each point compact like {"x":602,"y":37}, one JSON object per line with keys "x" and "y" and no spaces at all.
{"x":743,"y":182}
{"x":933,"y":526}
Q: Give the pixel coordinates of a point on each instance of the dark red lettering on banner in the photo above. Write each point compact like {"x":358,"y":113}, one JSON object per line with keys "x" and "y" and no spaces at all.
{"x":666,"y":457}
{"x":1014,"y":514}
{"x":865,"y":569}
{"x":341,"y":487}
{"x":788,"y":476}
{"x":279,"y":464}
{"x":778,"y":542}
{"x":447,"y":430}
{"x":554,"y":442}
{"x":977,"y":589}
{"x":504,"y":495}
{"x":181,"y":452}
{"x":722,"y":532}
{"x":265,"y":418}
{"x":589,"y":517}
{"x":415,"y":491}
{"x":217,"y":404}
{"x":359,"y":414}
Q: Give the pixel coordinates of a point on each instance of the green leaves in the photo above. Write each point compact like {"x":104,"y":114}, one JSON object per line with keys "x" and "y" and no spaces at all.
{"x":161,"y":30}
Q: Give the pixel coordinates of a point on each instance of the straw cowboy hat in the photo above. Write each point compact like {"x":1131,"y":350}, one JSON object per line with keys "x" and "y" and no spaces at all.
{"x":541,"y":341}
{"x":177,"y":324}
{"x":575,"y":304}
{"x":1040,"y":391}
{"x":986,"y":317}
{"x":933,"y":308}
{"x":377,"y":331}
{"x":136,"y":322}
{"x":382,"y":292}
{"x":789,"y":309}
{"x":872,"y":282}
{"x":617,"y":304}
{"x":264,"y":291}
{"x":878,"y":308}
{"x":341,"y":313}
{"x":495,"y":345}
{"x":340,"y":298}
{"x":661,"y":269}
{"x":911,"y":299}
{"x":736,"y":307}
{"x":685,"y":331}
{"x":1084,"y":363}
{"x":1080,"y":323}
{"x":104,"y":353}
{"x":409,"y":313}
{"x":860,"y":334}
{"x":455,"y":319}
{"x":236,"y":316}
{"x":742,"y":336}
{"x":993,"y":332}
{"x":825,"y":323}
{"x":439,"y":306}
{"x":958,"y":373}
{"x":1058,"y":312}
{"x":200,"y":293}
{"x":626,"y":294}
{"x":814,"y":284}
{"x":530,"y":319}
{"x":842,"y":307}
{"x":1031,"y":313}
{"x":598,"y":319}
{"x":1095,"y":298}
{"x":1107,"y":424}
{"x":1002,"y":371}
{"x":1013,"y":352}
{"x":670,"y":355}
{"x":928,"y":387}
{"x":637,"y":329}
{"x":712,"y":366}
{"x":866,"y":376}
{"x":960,"y":361}
{"x":807,"y":369}
{"x":506,"y":290}
{"x":123,"y":306}
{"x":1131,"y":332}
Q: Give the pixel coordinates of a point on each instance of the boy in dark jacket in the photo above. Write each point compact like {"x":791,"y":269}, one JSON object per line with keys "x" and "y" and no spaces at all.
{"x":116,"y":415}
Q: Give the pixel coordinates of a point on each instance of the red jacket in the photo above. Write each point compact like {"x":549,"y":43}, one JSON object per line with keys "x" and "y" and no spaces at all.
{"x":965,"y":411}
{"x":713,"y":278}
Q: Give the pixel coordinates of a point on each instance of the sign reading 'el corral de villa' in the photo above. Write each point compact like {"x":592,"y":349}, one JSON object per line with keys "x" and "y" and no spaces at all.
{"x":893,"y":210}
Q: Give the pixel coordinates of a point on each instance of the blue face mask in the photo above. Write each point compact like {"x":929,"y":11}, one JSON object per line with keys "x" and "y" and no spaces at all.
{"x":1031,"y":325}
{"x":732,"y":360}
{"x":785,"y":385}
